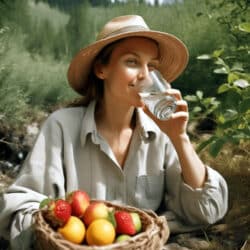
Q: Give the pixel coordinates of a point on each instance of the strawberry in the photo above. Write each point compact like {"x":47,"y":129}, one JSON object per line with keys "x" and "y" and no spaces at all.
{"x":124,"y":223}
{"x":56,"y":212}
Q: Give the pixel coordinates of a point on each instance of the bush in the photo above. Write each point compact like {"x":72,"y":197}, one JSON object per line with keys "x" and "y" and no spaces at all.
{"x":231,"y":108}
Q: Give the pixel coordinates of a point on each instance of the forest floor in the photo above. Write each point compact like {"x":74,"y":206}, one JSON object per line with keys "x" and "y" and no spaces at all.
{"x":231,"y":233}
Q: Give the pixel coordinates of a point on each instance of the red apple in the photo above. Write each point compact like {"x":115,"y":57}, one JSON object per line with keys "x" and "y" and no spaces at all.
{"x":79,"y":201}
{"x":96,"y":210}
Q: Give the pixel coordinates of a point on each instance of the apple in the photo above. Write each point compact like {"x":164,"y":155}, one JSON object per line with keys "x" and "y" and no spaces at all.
{"x":79,"y":201}
{"x":122,"y":237}
{"x":96,"y":210}
{"x":137,"y":221}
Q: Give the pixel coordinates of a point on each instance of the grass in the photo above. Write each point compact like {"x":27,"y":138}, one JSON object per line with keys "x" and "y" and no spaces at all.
{"x":233,"y":162}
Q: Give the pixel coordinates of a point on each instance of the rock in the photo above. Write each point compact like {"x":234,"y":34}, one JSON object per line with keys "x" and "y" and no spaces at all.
{"x":32,"y":131}
{"x":174,"y":246}
{"x":9,"y":169}
{"x":5,"y":181}
{"x":193,"y":243}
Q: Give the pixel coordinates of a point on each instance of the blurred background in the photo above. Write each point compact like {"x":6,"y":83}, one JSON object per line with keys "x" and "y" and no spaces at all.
{"x":38,"y":38}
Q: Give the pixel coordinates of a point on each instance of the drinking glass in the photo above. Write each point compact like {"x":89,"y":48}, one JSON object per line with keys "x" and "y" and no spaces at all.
{"x":153,"y":94}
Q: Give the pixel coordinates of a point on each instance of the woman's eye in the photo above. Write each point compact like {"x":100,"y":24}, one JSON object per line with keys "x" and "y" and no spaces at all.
{"x":151,"y":67}
{"x":132,"y":62}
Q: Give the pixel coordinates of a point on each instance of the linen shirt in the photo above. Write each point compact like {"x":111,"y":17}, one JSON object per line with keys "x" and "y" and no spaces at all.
{"x":70,"y":154}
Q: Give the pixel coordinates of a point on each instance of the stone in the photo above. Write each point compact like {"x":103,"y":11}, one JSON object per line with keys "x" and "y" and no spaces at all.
{"x":174,"y":246}
{"x":193,"y":243}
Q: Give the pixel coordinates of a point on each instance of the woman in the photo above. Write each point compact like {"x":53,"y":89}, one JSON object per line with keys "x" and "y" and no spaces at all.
{"x":111,"y":146}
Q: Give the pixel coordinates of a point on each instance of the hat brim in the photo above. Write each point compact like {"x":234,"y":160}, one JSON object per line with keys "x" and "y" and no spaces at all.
{"x":173,"y":57}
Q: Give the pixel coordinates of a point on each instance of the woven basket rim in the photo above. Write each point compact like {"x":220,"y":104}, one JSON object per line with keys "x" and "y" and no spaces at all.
{"x":150,"y":231}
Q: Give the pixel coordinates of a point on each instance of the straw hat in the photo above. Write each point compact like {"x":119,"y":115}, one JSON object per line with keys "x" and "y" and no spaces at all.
{"x":173,"y":53}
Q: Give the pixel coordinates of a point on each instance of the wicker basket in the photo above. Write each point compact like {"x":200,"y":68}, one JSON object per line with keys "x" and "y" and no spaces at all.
{"x":154,"y":235}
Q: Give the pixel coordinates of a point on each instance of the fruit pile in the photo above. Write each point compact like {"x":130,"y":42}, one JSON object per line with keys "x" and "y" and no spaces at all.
{"x":83,"y":221}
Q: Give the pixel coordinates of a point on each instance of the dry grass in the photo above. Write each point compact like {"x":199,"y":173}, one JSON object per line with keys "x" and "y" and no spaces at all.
{"x":234,"y":164}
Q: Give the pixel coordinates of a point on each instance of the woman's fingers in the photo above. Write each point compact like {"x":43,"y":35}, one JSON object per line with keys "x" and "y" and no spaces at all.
{"x":180,"y":115}
{"x":181,"y":105}
{"x":174,"y":92}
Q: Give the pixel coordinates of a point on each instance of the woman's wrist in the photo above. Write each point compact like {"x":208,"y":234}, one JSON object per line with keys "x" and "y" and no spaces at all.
{"x":179,"y":139}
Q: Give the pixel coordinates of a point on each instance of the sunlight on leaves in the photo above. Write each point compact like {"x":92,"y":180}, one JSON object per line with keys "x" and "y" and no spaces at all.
{"x":222,"y":70}
{"x":242,"y":83}
{"x":244,"y":27}
{"x":204,"y":57}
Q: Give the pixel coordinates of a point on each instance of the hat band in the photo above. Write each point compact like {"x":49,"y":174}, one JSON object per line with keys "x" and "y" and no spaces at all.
{"x":131,"y":28}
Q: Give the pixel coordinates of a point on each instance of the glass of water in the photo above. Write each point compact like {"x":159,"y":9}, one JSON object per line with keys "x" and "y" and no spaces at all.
{"x":153,"y":94}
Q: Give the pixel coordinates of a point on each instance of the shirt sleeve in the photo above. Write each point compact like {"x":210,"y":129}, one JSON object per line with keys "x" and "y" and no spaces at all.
{"x":35,"y":182}
{"x":200,"y":206}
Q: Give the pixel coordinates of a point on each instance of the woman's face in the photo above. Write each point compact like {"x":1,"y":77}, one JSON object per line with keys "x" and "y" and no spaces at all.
{"x":129,"y":64}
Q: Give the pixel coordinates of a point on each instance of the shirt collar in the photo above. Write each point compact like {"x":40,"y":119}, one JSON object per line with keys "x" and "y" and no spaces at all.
{"x":88,"y":122}
{"x":146,"y":126}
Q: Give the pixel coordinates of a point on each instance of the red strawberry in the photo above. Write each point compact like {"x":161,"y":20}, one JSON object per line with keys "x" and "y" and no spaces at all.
{"x":124,"y":223}
{"x":56,"y":212}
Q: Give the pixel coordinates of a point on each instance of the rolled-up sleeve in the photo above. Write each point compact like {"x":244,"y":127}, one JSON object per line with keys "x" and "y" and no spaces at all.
{"x":200,"y":206}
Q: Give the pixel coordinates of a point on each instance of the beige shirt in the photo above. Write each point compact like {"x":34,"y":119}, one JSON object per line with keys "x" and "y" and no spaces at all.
{"x":70,"y":154}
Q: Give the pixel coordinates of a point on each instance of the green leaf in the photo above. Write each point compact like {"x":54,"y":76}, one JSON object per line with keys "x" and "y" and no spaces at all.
{"x":191,"y":98}
{"x":44,"y":202}
{"x":223,"y":88}
{"x":199,"y":94}
{"x":241,"y":136}
{"x":245,"y":27}
{"x":242,"y":83}
{"x":216,"y":146}
{"x":232,"y":77}
{"x":204,"y":57}
{"x":222,"y":70}
{"x":237,"y":67}
{"x":205,"y":143}
{"x":230,"y":114}
{"x":218,"y":52}
{"x":197,"y":109}
{"x":220,"y":61}
{"x":244,"y":105}
{"x":111,"y":217}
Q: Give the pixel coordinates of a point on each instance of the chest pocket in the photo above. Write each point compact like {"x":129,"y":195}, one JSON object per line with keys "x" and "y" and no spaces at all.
{"x":149,"y":191}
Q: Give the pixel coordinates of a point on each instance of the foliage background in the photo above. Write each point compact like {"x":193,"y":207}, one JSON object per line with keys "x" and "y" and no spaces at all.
{"x":37,"y":42}
{"x":38,"y":38}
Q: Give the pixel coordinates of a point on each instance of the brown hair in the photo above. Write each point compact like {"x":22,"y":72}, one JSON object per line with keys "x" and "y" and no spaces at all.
{"x":95,"y":89}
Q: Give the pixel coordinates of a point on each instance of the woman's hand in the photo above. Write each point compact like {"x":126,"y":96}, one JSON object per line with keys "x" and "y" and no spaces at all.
{"x":193,"y":170}
{"x":176,"y":126}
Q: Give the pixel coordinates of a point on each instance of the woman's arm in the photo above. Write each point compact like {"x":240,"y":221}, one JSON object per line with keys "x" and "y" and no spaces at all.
{"x":195,"y":192}
{"x":193,"y":170}
{"x":39,"y":177}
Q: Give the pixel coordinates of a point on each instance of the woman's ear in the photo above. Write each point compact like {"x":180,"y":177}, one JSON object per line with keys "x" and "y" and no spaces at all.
{"x":99,"y":70}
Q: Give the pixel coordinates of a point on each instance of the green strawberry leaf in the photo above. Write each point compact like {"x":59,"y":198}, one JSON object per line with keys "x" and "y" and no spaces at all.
{"x":111,"y":217}
{"x":44,"y":202}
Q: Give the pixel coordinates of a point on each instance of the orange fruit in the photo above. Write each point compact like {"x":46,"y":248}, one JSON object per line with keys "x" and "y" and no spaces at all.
{"x":74,"y":230}
{"x":100,"y":232}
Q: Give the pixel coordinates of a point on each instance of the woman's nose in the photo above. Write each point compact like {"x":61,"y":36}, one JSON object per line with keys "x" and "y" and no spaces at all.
{"x":143,"y":73}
